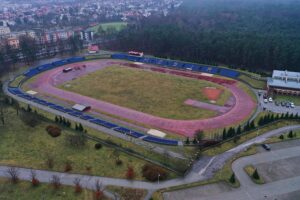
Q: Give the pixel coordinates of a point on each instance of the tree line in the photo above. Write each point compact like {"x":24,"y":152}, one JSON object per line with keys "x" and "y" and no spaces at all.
{"x":30,"y":50}
{"x":221,"y":33}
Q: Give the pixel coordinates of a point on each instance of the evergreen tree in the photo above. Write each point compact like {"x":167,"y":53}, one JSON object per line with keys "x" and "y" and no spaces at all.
{"x":239,"y":130}
{"x":255,"y":175}
{"x":224,"y":135}
{"x":28,"y":108}
{"x":291,"y":134}
{"x":232,"y":178}
{"x":187,"y":140}
{"x":56,"y":119}
{"x":80,"y":127}
{"x":60,"y":120}
{"x":252,"y":125}
{"x":281,"y":137}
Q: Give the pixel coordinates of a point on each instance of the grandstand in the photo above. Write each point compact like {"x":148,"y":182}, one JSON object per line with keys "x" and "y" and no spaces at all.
{"x":179,"y":65}
{"x":284,"y":82}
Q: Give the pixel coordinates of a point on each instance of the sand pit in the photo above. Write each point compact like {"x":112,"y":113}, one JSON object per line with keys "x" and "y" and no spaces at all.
{"x":212,"y":93}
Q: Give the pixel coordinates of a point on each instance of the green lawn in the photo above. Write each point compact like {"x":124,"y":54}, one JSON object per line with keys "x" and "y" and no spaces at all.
{"x":258,"y":84}
{"x":295,"y":99}
{"x":150,"y":92}
{"x":21,"y":145}
{"x":17,"y":81}
{"x":24,"y":191}
{"x":118,"y":26}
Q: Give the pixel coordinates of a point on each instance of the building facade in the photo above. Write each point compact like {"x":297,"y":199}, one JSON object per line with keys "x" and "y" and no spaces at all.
{"x":284,"y":82}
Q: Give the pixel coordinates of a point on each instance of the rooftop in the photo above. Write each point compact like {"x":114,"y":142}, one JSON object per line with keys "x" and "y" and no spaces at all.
{"x":284,"y":74}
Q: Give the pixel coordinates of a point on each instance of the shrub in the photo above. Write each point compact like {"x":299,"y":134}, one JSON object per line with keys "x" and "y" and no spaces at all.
{"x":98,"y":146}
{"x":54,"y":131}
{"x":119,"y":162}
{"x":88,"y":169}
{"x":68,"y":166}
{"x":281,"y":137}
{"x":151,"y":172}
{"x":130,"y":173}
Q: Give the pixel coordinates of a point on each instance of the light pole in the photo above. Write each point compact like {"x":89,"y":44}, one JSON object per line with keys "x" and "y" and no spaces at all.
{"x":158,"y":178}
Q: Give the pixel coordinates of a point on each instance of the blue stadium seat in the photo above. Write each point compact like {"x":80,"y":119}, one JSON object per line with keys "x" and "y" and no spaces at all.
{"x":87,"y":117}
{"x":229,"y":73}
{"x":160,"y":140}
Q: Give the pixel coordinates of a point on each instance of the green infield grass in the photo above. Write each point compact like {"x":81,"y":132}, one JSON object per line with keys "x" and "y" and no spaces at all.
{"x":150,"y":92}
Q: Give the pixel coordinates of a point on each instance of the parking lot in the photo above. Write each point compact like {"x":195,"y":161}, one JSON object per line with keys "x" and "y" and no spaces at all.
{"x":276,"y":106}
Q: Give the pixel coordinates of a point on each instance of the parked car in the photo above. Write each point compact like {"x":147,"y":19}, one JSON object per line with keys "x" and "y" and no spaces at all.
{"x":266,"y":147}
{"x":270,"y":99}
{"x":292,"y":105}
{"x":283,"y":103}
{"x":265,"y":100}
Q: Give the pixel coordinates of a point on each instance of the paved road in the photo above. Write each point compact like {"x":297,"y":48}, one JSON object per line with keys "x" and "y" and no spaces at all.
{"x":252,"y":191}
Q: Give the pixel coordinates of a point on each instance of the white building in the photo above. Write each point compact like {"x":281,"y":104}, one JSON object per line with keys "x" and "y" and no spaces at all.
{"x":4,"y":30}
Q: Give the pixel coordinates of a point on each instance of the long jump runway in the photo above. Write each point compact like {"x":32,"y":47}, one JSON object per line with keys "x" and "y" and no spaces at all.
{"x":47,"y":82}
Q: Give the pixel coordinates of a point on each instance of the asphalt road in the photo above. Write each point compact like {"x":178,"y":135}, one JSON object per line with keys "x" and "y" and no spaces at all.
{"x":252,"y":191}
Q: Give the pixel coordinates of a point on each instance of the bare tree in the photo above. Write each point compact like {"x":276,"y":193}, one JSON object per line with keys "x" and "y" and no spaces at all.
{"x":78,"y":187}
{"x":98,"y":190}
{"x":55,"y":181}
{"x":13,"y":174}
{"x":34,"y":180}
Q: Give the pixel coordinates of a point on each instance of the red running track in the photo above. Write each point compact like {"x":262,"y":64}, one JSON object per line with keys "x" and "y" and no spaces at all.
{"x":46,"y":82}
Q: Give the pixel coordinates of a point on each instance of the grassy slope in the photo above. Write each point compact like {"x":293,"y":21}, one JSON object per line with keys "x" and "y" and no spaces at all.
{"x":253,"y":82}
{"x":149,"y":92}
{"x":24,"y":191}
{"x":128,"y":193}
{"x":173,"y":163}
{"x":23,"y":146}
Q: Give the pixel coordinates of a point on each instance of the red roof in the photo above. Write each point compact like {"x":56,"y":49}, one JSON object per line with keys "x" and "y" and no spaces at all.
{"x":93,"y":48}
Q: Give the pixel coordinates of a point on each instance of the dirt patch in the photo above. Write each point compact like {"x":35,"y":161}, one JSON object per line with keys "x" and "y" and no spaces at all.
{"x":212,"y":93}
